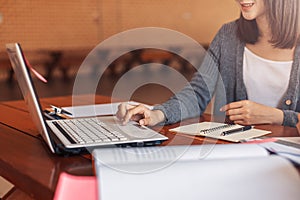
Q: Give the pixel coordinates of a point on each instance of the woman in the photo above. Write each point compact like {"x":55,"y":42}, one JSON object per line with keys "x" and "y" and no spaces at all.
{"x":255,"y":59}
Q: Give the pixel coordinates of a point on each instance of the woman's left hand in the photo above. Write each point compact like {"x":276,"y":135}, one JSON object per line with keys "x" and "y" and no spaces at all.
{"x":247,"y":112}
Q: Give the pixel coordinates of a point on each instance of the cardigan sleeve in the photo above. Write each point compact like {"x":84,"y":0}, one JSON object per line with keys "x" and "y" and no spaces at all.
{"x":290,"y":118}
{"x":194,"y":98}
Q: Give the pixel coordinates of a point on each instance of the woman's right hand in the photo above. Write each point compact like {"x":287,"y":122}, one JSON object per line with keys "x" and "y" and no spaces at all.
{"x":139,"y":113}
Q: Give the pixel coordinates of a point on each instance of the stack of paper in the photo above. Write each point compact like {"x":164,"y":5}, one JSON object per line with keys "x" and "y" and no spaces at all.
{"x":232,"y":171}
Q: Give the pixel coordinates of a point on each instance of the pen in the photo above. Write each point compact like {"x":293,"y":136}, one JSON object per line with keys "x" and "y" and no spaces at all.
{"x":244,"y":128}
{"x":60,"y":110}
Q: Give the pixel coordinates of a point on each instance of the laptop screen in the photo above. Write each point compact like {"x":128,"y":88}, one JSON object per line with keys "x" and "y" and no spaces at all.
{"x":24,"y":79}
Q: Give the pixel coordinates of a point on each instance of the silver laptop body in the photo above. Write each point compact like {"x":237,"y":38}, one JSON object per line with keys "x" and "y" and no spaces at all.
{"x":58,"y":137}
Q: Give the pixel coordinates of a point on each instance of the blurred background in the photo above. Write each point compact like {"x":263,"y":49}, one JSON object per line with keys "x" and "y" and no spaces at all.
{"x":56,"y":36}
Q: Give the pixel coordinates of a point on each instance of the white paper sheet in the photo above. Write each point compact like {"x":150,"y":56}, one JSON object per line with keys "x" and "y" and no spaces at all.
{"x":262,"y":177}
{"x":96,"y":109}
{"x":289,"y":152}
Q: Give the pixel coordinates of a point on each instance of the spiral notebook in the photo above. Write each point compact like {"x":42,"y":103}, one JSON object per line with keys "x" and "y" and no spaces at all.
{"x":216,"y":130}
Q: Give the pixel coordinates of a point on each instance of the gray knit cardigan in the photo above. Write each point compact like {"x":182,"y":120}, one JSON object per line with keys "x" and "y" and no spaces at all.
{"x":221,"y":74}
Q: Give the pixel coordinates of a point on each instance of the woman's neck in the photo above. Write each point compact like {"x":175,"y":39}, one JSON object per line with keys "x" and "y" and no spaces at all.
{"x":264,"y":28}
{"x":264,"y":48}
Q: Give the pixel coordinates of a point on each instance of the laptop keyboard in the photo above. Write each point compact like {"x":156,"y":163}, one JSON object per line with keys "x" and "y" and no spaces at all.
{"x":89,"y":130}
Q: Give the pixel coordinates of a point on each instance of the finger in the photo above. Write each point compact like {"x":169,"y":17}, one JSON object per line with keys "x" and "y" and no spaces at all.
{"x":242,"y":122}
{"x":233,"y":105}
{"x":122,"y":110}
{"x":236,"y":118}
{"x":147,"y":120}
{"x":234,"y":111}
{"x":134,"y":111}
{"x":144,"y":122}
{"x":130,"y":106}
{"x":137,"y":117}
{"x":242,"y":112}
{"x":240,"y":119}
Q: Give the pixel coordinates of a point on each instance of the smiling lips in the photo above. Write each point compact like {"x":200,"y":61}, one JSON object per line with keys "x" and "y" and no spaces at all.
{"x":246,"y":5}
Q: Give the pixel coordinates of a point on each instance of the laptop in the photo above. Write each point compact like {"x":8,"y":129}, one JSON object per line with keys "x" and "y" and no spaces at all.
{"x":77,"y":135}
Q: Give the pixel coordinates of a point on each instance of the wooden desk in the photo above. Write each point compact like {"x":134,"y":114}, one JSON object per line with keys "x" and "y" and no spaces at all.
{"x":26,"y":161}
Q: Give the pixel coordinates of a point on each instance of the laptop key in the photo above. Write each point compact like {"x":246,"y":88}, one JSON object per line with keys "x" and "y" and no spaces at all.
{"x":88,"y":131}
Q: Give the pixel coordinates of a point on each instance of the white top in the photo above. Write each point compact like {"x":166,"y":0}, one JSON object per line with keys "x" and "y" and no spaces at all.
{"x":266,"y":80}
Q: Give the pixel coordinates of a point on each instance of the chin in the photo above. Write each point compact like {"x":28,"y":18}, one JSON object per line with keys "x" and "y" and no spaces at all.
{"x":248,"y":16}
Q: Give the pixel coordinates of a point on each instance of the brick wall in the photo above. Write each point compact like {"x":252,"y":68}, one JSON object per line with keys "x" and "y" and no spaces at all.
{"x":48,"y":24}
{"x":43,"y":24}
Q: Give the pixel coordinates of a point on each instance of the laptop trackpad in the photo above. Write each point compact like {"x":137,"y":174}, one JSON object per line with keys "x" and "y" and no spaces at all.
{"x":132,"y":129}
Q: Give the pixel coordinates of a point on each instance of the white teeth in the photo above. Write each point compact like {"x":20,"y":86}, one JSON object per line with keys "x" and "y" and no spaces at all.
{"x":247,"y":4}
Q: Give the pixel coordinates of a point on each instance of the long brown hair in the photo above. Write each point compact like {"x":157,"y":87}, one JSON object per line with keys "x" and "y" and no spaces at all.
{"x":283,"y":16}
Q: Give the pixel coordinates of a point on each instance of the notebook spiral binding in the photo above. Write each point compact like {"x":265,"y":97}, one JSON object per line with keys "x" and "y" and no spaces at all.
{"x":209,"y":130}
